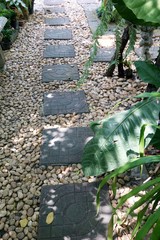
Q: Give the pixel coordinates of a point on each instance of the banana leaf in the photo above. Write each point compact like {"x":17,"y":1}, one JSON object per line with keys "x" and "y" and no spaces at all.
{"x":116,"y":139}
{"x":139,"y":12}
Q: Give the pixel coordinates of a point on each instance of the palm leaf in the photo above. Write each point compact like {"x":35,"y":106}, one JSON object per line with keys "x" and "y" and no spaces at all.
{"x":116,"y":139}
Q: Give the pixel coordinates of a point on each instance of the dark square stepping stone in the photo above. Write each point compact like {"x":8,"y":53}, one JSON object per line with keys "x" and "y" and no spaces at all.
{"x":53,"y":2}
{"x":75,"y":216}
{"x":63,"y":146}
{"x":58,"y":34}
{"x":59,"y":51}
{"x":57,"y":21}
{"x":104,"y":55}
{"x":65,"y":102}
{"x":50,"y":10}
{"x":63,"y":72}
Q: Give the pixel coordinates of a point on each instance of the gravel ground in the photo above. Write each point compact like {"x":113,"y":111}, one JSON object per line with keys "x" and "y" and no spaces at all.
{"x":21,"y":95}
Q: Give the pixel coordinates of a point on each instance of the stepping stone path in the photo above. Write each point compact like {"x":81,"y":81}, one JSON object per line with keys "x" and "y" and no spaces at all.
{"x":59,"y":51}
{"x":104,"y":55}
{"x":64,"y":103}
{"x":73,"y":205}
{"x":58,"y":34}
{"x":64,"y":72}
{"x":57,"y":21}
{"x":63,"y":146}
{"x":75,"y":214}
{"x":54,"y":10}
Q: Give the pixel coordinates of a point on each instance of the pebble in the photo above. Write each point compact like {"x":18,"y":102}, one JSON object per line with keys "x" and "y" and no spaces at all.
{"x":20,"y":205}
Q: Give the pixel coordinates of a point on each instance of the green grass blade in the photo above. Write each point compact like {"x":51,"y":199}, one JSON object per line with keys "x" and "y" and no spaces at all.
{"x":156,"y":231}
{"x":110,"y":228}
{"x":136,"y":190}
{"x":147,"y":95}
{"x":134,"y":163}
{"x":143,"y":199}
{"x":139,"y":220}
{"x":141,"y":140}
{"x":152,"y":219}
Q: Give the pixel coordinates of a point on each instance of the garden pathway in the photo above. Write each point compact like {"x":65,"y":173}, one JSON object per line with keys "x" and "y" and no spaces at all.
{"x":73,"y":205}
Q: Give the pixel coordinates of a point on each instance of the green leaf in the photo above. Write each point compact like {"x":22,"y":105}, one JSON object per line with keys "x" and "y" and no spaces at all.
{"x":147,"y":95}
{"x":134,"y":163}
{"x":140,"y":12}
{"x":139,"y":220}
{"x":136,"y":190}
{"x":126,"y":13}
{"x":110,"y":228}
{"x":116,"y":139}
{"x":156,"y":231}
{"x":147,"y":197}
{"x":149,"y":10}
{"x":152,"y":219}
{"x":148,"y":72}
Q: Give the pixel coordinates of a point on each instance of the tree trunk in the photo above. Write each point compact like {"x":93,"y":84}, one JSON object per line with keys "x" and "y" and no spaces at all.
{"x":125,"y":38}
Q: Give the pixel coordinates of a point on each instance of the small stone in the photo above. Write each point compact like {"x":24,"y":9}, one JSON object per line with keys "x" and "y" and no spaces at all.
{"x":1,"y":225}
{"x":20,"y":235}
{"x":13,"y":234}
{"x":2,"y":205}
{"x":20,"y":205}
{"x":121,"y":181}
{"x":30,"y":212}
{"x":3,"y":213}
{"x":5,"y":236}
{"x":10,"y":207}
{"x":126,"y":178}
{"x":20,"y":195}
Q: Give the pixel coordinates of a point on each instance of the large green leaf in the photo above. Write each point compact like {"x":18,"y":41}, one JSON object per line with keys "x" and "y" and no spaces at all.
{"x":116,"y":139}
{"x":149,"y":10}
{"x":126,"y":13}
{"x":139,"y":12}
{"x":148,"y":72}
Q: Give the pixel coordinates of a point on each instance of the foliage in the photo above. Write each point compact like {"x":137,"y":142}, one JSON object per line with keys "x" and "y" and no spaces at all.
{"x":140,"y":12}
{"x":7,"y":33}
{"x":149,"y":192}
{"x":143,"y":224}
{"x":116,"y":139}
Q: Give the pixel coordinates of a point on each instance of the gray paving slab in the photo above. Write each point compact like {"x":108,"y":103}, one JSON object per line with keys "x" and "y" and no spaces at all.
{"x":59,"y":51}
{"x":62,"y":72}
{"x":53,"y":2}
{"x":57,"y":21}
{"x":63,"y":146}
{"x":65,"y":102}
{"x":58,"y":34}
{"x":75,"y":214}
{"x":50,"y":10}
{"x":153,"y":51}
{"x":104,"y":55}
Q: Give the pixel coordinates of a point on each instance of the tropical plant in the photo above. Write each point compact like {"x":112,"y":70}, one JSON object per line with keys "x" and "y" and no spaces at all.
{"x":19,"y":6}
{"x":124,"y":134}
